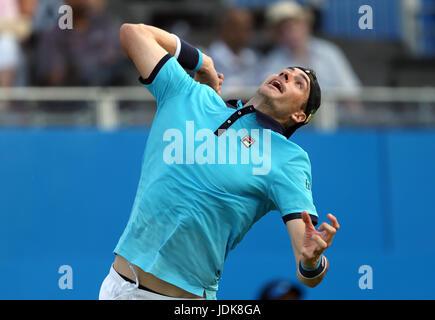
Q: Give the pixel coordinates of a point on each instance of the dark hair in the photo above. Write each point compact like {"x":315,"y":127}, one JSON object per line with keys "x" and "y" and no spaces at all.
{"x":313,"y":102}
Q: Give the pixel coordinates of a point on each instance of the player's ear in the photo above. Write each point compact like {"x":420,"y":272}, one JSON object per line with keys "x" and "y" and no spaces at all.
{"x":298,"y":116}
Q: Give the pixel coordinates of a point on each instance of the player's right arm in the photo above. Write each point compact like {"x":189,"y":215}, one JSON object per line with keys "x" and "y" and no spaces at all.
{"x":146,"y":46}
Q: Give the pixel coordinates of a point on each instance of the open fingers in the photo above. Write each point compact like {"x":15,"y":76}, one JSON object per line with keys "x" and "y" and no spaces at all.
{"x":220,"y":82}
{"x":329,"y":232}
{"x":334,"y":221}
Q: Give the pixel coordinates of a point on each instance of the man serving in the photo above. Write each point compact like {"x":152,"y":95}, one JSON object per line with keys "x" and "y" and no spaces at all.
{"x":189,"y":214}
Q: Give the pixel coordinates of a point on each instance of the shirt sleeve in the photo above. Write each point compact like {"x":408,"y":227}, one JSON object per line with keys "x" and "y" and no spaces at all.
{"x":168,"y":80}
{"x":291,"y":190}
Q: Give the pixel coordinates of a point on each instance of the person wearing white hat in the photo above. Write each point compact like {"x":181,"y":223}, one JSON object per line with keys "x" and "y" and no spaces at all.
{"x":291,"y":26}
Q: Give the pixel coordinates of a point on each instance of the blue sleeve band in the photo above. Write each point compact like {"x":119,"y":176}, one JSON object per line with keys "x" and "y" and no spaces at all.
{"x":155,"y":71}
{"x":298,"y":215}
{"x":199,"y":64}
{"x":312,"y":269}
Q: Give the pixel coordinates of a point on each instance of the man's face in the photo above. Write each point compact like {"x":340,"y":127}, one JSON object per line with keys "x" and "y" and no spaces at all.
{"x":239,"y":27}
{"x":286,"y":93}
{"x":294,"y":33}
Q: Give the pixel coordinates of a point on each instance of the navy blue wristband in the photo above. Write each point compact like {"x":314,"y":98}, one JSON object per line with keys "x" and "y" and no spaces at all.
{"x":189,"y":57}
{"x":313,"y":272}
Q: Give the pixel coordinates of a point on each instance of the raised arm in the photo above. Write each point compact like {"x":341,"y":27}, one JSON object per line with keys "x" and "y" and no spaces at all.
{"x":309,"y":245}
{"x":146,"y":45}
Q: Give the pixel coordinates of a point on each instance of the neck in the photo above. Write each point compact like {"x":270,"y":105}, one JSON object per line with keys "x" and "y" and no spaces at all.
{"x":263,"y":104}
{"x":301,"y":51}
{"x":260,"y":103}
{"x":302,"y":55}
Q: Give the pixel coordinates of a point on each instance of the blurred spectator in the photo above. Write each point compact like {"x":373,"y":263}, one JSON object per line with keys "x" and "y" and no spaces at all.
{"x":291,"y":26}
{"x":47,"y":15}
{"x":88,"y":55}
{"x":9,"y":46}
{"x":97,"y":6}
{"x":281,"y":290}
{"x":231,"y":53}
{"x":28,"y":9}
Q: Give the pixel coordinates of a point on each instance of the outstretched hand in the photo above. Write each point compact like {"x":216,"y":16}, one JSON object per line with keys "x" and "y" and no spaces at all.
{"x":316,"y":242}
{"x":207,"y":75}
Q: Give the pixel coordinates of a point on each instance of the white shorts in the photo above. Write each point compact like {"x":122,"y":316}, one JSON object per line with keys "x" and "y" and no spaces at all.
{"x":114,"y":287}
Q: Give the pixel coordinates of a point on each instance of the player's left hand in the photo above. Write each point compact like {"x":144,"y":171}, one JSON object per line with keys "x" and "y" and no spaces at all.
{"x":315,"y":242}
{"x":207,"y":75}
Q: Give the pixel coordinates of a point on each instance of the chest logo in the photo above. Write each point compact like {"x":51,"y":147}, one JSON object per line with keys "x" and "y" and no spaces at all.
{"x":247,"y":141}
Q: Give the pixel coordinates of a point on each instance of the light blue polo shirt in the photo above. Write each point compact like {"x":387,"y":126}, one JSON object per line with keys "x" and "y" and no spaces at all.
{"x":199,"y":192}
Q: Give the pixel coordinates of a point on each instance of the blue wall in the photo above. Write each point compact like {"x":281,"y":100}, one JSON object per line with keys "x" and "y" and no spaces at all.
{"x":339,"y":18}
{"x":65,"y":197}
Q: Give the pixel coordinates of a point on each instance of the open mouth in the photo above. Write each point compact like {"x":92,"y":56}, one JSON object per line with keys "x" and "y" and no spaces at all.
{"x":277,"y":85}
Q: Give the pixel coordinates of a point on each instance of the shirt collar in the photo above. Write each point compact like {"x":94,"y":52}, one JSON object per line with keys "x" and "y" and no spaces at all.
{"x":263,"y":119}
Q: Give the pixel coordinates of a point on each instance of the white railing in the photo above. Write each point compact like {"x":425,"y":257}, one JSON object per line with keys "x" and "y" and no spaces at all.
{"x":107,"y":99}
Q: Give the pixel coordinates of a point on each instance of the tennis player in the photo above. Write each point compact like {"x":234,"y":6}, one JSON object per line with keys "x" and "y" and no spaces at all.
{"x":190,"y":209}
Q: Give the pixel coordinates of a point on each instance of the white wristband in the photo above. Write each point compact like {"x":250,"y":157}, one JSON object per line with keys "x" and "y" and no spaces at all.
{"x":178,"y":49}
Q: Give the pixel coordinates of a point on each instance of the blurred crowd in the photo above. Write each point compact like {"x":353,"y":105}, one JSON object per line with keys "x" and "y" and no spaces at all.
{"x":35,"y":51}
{"x":289,"y":28}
